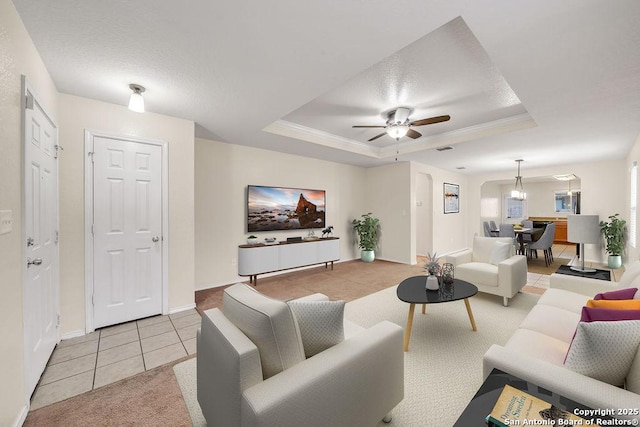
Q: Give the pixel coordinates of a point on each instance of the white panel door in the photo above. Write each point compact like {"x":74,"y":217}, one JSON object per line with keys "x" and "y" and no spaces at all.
{"x":127,"y":230}
{"x":41,"y":287}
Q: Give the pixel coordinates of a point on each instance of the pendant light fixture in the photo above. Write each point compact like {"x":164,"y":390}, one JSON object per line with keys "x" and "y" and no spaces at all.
{"x":136,"y":102}
{"x":518,"y":191}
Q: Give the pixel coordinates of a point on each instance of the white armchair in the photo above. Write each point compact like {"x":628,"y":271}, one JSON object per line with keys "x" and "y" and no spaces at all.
{"x":492,"y":266}
{"x":266,"y":380}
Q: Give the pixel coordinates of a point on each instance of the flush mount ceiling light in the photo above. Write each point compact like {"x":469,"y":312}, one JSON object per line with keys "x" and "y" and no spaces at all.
{"x":518,"y":191}
{"x":136,"y":102}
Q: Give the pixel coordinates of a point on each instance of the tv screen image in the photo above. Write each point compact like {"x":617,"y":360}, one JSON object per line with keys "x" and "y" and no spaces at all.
{"x":279,"y":208}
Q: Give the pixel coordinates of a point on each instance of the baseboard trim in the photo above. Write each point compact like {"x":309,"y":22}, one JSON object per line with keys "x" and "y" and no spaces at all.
{"x":23,"y":415}
{"x":182,"y":308}
{"x":73,"y":334}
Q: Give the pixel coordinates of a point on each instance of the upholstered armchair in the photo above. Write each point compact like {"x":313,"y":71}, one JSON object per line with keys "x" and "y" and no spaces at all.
{"x":264,"y":362}
{"x":492,"y":266}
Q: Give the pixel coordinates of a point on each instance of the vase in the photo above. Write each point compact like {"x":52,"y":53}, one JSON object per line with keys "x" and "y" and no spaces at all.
{"x":447,"y":273}
{"x":615,"y":261}
{"x":432,"y":283}
{"x":252,"y":241}
{"x":367,"y":256}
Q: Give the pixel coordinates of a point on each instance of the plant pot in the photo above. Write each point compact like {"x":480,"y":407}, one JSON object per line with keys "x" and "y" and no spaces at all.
{"x":252,"y":241}
{"x":432,"y":283}
{"x":615,"y":261}
{"x":367,"y":256}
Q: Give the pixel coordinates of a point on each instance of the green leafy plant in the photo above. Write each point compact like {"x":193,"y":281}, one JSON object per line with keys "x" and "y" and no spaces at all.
{"x":432,"y":265}
{"x":252,"y":237}
{"x":367,"y":230}
{"x":613,"y":232}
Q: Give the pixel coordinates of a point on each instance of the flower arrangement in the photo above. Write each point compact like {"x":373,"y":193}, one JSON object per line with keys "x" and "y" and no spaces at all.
{"x":432,"y":265}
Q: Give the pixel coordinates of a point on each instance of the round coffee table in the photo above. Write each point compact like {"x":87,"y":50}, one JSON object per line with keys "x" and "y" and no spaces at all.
{"x":413,"y":291}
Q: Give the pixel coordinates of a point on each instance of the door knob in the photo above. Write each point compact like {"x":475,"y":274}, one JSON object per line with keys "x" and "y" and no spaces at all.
{"x":155,"y":239}
{"x":35,"y":261}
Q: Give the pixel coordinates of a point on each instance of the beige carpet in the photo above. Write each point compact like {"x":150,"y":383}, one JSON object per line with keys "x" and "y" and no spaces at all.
{"x":443,"y":368}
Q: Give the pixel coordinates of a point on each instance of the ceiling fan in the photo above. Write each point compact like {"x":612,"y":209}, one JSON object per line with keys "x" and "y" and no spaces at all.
{"x":399,"y":125}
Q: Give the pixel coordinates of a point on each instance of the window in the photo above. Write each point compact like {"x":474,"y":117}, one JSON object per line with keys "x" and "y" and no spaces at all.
{"x":633,"y":203}
{"x":515,"y":209}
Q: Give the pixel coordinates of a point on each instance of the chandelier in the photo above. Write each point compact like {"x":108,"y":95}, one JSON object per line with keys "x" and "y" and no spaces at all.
{"x":518,"y":191}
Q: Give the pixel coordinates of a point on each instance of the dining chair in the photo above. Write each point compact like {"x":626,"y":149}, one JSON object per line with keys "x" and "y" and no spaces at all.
{"x":544,"y":242}
{"x":506,"y":230}
{"x":487,"y":230}
{"x":493,"y":225}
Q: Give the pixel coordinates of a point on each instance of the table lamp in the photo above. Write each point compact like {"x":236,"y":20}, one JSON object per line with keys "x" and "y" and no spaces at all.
{"x":583,"y":229}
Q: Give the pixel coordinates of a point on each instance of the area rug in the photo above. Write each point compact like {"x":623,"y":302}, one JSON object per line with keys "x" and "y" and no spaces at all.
{"x":597,"y":274}
{"x":443,"y":367}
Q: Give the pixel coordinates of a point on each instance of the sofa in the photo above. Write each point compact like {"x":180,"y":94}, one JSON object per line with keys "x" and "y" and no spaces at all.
{"x":264,"y":362}
{"x":539,"y":350}
{"x":492,"y":266}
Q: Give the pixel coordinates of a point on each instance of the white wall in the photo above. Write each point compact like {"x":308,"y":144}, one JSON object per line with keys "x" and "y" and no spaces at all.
{"x":540,"y":197}
{"x":18,"y":56}
{"x":78,"y":114}
{"x":222,"y":173}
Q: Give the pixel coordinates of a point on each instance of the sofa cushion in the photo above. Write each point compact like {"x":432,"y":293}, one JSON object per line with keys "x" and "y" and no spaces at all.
{"x":499,"y":252}
{"x":478,"y":273}
{"x":538,"y":345}
{"x":632,"y":381}
{"x":552,"y":321}
{"x":631,"y":272}
{"x":604,"y":350}
{"x":621,"y":304}
{"x":565,"y":300}
{"x":321,"y":324}
{"x":268,"y":323}
{"x":627,"y":293}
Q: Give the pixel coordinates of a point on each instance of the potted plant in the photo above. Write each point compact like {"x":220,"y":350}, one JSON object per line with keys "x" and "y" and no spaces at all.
{"x":433,"y":267}
{"x":367,"y":230}
{"x":252,"y":240}
{"x":613,"y":232}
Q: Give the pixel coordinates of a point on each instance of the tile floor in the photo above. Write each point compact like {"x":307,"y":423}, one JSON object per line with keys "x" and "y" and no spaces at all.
{"x":81,"y":364}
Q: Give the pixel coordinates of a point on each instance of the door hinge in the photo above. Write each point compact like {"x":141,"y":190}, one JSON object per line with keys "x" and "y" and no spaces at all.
{"x":57,"y":237}
{"x":92,"y":303}
{"x":29,"y":102}
{"x":58,"y":319}
{"x":58,"y":148}
{"x":90,"y":154}
{"x":92,"y":232}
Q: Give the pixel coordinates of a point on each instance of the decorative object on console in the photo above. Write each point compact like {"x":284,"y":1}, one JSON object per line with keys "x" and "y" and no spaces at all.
{"x":613,"y":232}
{"x":327,"y":231}
{"x":433,"y":267}
{"x":270,"y":240}
{"x":279,"y":208}
{"x":583,"y":229}
{"x":367,"y":230}
{"x":252,"y":240}
{"x":451,"y":198}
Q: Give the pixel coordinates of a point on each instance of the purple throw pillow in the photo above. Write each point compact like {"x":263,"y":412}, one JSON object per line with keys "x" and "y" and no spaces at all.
{"x":627,"y":293}
{"x":596,"y":314}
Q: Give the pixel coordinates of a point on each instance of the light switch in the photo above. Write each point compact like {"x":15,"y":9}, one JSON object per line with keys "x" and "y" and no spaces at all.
{"x":6,"y":222}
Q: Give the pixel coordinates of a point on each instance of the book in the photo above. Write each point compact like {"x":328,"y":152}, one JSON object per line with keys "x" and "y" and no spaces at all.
{"x":518,"y":408}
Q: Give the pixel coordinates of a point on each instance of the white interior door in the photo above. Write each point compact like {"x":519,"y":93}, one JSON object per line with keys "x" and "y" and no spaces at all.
{"x":41,"y":287}
{"x":127,"y":230}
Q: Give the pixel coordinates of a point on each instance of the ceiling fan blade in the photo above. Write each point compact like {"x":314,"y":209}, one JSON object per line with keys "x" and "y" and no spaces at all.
{"x":430,"y":120}
{"x":366,"y":126}
{"x":378,"y":136}
{"x":413,"y":134}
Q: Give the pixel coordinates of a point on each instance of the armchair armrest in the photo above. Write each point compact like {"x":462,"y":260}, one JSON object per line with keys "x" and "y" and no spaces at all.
{"x":512,"y":274}
{"x":581,"y":285}
{"x":356,"y":382}
{"x":460,"y":257}
{"x":575,"y":386}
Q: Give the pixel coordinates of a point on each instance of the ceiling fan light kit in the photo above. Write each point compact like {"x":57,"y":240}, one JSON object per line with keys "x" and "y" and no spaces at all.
{"x":399,"y":125}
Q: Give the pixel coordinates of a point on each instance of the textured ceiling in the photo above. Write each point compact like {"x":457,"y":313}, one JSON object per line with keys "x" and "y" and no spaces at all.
{"x":549,"y":82}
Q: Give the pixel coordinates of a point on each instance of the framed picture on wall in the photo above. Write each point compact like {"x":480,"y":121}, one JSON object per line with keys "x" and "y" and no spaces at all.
{"x":451,"y":198}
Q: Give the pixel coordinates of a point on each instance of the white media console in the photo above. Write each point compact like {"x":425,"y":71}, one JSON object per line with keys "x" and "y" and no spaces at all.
{"x":260,"y":259}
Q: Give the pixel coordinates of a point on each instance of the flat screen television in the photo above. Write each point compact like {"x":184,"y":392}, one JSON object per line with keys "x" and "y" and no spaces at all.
{"x":279,"y":208}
